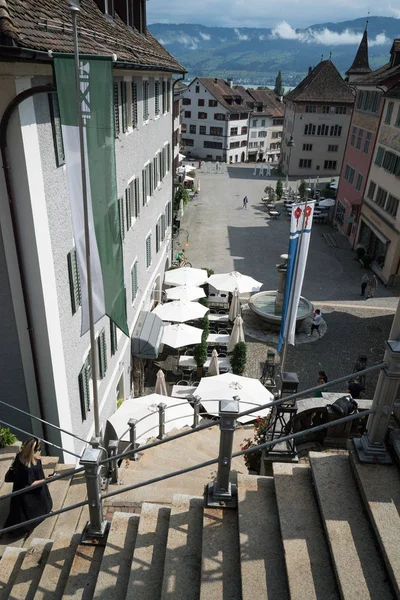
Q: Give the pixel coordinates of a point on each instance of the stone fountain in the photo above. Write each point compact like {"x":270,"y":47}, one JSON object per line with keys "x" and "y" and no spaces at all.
{"x":268,"y":305}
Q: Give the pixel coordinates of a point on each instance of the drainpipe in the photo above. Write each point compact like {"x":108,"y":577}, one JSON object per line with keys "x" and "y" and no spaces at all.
{"x":5,"y":120}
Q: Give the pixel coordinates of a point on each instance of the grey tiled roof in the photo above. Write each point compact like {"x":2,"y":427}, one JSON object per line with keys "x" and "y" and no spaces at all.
{"x":388,"y":74}
{"x":394,"y":92}
{"x":46,"y":25}
{"x":271,"y":106}
{"x":323,"y":84}
{"x":223,"y":92}
{"x":360,"y":63}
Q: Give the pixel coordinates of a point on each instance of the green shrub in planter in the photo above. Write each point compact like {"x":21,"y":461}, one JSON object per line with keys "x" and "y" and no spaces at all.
{"x":279,"y":189}
{"x":200,"y":353}
{"x":239,"y":357}
{"x":367,"y":260}
{"x":209,"y":271}
{"x":6,"y":437}
{"x":302,"y":189}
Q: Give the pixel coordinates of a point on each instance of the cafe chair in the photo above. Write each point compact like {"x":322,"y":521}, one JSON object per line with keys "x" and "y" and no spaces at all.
{"x":183,"y":382}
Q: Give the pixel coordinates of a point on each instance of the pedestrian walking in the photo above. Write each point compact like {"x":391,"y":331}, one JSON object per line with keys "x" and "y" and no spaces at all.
{"x":356,"y":388}
{"x":364,"y":283}
{"x":317,"y":318}
{"x":372,"y":286}
{"x":245,"y":202}
{"x":323,"y":375}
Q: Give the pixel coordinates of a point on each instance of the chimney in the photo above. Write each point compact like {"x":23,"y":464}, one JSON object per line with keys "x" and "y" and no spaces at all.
{"x":230,"y":82}
{"x":215,"y":80}
{"x":280,"y":98}
{"x":309,"y":70}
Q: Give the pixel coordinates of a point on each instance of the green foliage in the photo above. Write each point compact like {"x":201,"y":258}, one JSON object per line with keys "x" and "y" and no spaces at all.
{"x":302,"y":189}
{"x":328,"y":193}
{"x":263,"y":87}
{"x":181,"y":192}
{"x":239,"y":357}
{"x":279,"y":89}
{"x":200,"y":352}
{"x":205,"y":325}
{"x":209,"y":271}
{"x":253,"y":460}
{"x":191,"y":174}
{"x":279,"y":189}
{"x":6,"y":437}
{"x":270,"y":192}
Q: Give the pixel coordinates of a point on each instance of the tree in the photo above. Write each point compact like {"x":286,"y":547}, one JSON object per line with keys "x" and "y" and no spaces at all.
{"x":239,"y":357}
{"x":279,"y":189}
{"x":302,"y":189}
{"x":262,"y":87}
{"x":279,"y":89}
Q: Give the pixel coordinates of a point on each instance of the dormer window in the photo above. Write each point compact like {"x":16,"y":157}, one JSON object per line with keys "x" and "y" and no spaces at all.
{"x":132,"y":12}
{"x":109,"y":8}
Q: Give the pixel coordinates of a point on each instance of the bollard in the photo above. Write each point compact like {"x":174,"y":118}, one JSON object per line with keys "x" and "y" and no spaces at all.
{"x":196,"y":408}
{"x":161,"y":420}
{"x":221,"y":493}
{"x":132,"y":437}
{"x":96,"y":530}
{"x":112,"y":451}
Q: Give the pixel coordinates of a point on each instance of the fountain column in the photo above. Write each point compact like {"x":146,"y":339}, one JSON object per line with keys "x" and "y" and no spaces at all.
{"x":281,"y":268}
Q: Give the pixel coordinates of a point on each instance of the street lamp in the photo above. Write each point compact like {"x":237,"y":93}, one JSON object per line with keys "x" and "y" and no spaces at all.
{"x":290,"y":145}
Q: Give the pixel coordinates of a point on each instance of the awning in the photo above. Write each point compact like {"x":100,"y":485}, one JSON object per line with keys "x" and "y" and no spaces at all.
{"x":381,"y":236}
{"x":146,"y":336}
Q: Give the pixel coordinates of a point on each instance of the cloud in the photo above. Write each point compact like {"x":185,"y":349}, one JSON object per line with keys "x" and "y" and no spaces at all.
{"x":395,"y":12}
{"x":205,"y":36}
{"x":191,"y":42}
{"x":285,"y":32}
{"x":325,"y":36}
{"x":242,"y":36}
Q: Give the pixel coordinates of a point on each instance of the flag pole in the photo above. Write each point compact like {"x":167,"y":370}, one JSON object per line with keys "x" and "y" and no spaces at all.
{"x":74,"y":12}
{"x":291,"y":300}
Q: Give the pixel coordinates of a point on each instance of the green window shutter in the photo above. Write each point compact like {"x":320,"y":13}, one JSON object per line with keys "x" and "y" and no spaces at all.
{"x":168,"y":157}
{"x":379,"y":156}
{"x":157,"y":237}
{"x":121,"y":216}
{"x":144,"y":187}
{"x":134,"y":105}
{"x":74,"y":282}
{"x":155,"y":173}
{"x":128,"y":208}
{"x":116,"y":110}
{"x":84,"y":389}
{"x":145,"y":100}
{"x":113,"y":337}
{"x":124,"y":106}
{"x":163,"y":227}
{"x":148,"y":251}
{"x":160,"y":165}
{"x":137,"y":197}
{"x":102,"y":354}
{"x":157,"y":97}
{"x":56,"y":128}
{"x":168,"y":96}
{"x":164,"y":97}
{"x":134,"y":281}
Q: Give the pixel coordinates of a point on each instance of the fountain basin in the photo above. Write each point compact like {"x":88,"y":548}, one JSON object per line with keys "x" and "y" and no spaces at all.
{"x":263,"y":305}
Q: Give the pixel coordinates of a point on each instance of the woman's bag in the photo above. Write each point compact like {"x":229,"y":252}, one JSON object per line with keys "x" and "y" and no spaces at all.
{"x":10,"y":475}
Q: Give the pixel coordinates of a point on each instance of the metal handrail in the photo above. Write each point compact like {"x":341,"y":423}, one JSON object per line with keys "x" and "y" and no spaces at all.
{"x":154,"y":412}
{"x":68,"y":473}
{"x":43,"y":421}
{"x":39,"y":438}
{"x":207,"y":463}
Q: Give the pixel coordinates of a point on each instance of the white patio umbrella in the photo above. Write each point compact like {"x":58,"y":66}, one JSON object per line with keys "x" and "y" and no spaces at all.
{"x":237,"y":334}
{"x":180,"y":311}
{"x":213,"y":369}
{"x":161,"y":386}
{"x":327,"y":203}
{"x":180,"y":211}
{"x":228,"y":385}
{"x":186,"y":276}
{"x":229,"y":282}
{"x":234,"y":309}
{"x":185,"y":292}
{"x":180,"y":335}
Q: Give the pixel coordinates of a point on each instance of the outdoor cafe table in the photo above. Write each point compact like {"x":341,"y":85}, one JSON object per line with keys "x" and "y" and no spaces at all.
{"x":274,"y":214}
{"x":183,"y":391}
{"x":217,"y":338}
{"x":218,"y":318}
{"x":189,"y":361}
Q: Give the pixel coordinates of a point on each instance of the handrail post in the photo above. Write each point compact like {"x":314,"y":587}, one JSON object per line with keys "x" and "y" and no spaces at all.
{"x":221,"y":493}
{"x":95,"y":442}
{"x":196,"y":409}
{"x":96,"y":529}
{"x":132,"y":437}
{"x":371,"y":446}
{"x":161,"y":420}
{"x":112,"y":451}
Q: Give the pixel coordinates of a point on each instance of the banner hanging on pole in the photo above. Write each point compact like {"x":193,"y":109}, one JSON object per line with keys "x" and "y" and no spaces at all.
{"x":300,"y":230}
{"x":96,"y":86}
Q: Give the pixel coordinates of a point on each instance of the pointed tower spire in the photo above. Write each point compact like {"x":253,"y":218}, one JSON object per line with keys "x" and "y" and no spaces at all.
{"x":360,"y":64}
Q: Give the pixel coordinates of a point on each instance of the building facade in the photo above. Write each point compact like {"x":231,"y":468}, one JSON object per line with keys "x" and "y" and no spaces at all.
{"x":45,"y":364}
{"x":265,"y":126}
{"x":317,"y":117}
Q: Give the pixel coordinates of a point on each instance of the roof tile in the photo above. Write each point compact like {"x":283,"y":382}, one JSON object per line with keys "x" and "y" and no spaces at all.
{"x":323,"y":84}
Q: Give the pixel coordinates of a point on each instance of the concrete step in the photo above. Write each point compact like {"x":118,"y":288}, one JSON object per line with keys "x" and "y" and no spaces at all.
{"x":380,"y":489}
{"x":83,"y":573}
{"x":67,"y":522}
{"x":145,"y":581}
{"x":57,"y":568}
{"x":182,"y":567}
{"x":359,"y":568}
{"x":10,"y":565}
{"x":308,"y":565}
{"x":261,"y":551}
{"x":117,"y":558}
{"x":30,"y":572}
{"x":220,"y":569}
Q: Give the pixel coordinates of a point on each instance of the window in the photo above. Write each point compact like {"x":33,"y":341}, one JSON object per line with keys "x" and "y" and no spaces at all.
{"x":307,"y":147}
{"x":368,"y":101}
{"x":187,"y":114}
{"x":263,"y":121}
{"x":234,"y":145}
{"x":102,"y":353}
{"x":261,"y":144}
{"x":202,"y":115}
{"x":136,"y":199}
{"x":233,"y":131}
{"x":144,"y":186}
{"x":349,"y":174}
{"x":187,"y":141}
{"x":200,"y":102}
{"x":332,"y":148}
{"x":322,"y":129}
{"x":340,"y":212}
{"x":341,"y":110}
{"x":359,"y":138}
{"x":124,"y":106}
{"x":275,"y":134}
{"x":150,"y":178}
{"x":128,"y":207}
{"x":336,"y":130}
{"x":117,"y":128}
{"x":215,"y":145}
{"x":397,"y":123}
{"x":380,"y":153}
{"x":371,"y":190}
{"x":164,"y":96}
{"x":389,"y":112}
{"x":216,"y":131}
{"x":219,"y":116}
{"x":156,"y":98}
{"x":309,"y":129}
{"x":381,"y":196}
{"x":186,"y":101}
{"x":311,"y":108}
{"x":330,"y":165}
{"x":243,"y":143}
{"x":56,"y":127}
{"x":367,"y":142}
{"x":134,"y":104}
{"x":197,"y":89}
{"x":305,"y":163}
{"x":353,"y":136}
{"x":325,"y":110}
{"x":155,"y":172}
{"x":84,"y":378}
{"x":254,"y":123}
{"x":212,"y":103}
{"x":113,"y":338}
{"x":263,"y":134}
{"x":109,"y":8}
{"x":148,"y":251}
{"x":158,"y":235}
{"x":168,"y":95}
{"x":391,"y":163}
{"x":121,"y":213}
{"x":192,"y":129}
{"x":145,"y":100}
{"x":203,"y":129}
{"x":74,"y":281}
{"x":359,"y":182}
{"x":277,"y":122}
{"x":392,"y":205}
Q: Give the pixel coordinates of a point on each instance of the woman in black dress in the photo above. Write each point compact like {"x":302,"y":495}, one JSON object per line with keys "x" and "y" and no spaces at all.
{"x":36,"y":502}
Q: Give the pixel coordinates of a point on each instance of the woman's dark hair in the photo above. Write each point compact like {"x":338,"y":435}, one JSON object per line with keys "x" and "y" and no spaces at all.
{"x":323,"y":375}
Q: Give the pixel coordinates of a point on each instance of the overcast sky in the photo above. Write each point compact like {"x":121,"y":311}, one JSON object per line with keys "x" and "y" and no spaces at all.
{"x":264,"y":13}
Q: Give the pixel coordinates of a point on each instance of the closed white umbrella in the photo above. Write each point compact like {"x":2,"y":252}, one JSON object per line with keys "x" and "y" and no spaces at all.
{"x":234,"y":309}
{"x":180,"y":335}
{"x":213,"y":369}
{"x":229,"y":282}
{"x":327,"y":203}
{"x":180,"y":211}
{"x":180,"y":311}
{"x":224,"y":387}
{"x":185,"y":292}
{"x":186,"y":276}
{"x":237,"y":334}
{"x":161,"y":386}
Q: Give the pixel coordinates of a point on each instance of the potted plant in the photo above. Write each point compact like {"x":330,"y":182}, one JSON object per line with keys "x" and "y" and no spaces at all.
{"x":253,"y":460}
{"x":302,"y":189}
{"x":238,"y":358}
{"x":7,"y":438}
{"x":279,"y":189}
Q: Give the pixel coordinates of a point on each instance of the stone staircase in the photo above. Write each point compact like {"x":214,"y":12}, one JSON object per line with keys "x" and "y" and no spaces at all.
{"x":324,"y":529}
